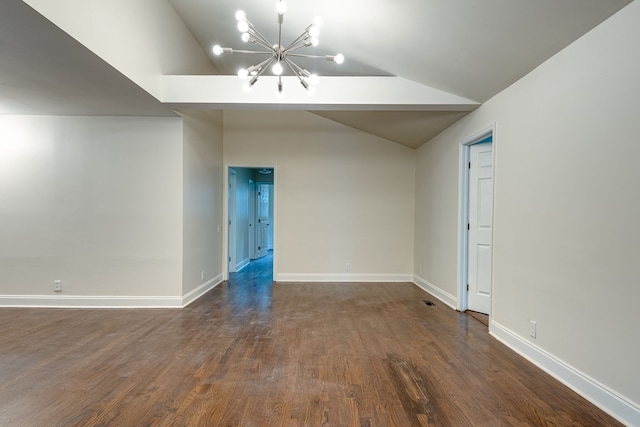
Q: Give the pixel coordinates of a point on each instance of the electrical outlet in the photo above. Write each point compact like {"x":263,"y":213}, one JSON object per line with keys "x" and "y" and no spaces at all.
{"x":347,"y":267}
{"x":57,"y":286}
{"x":532,"y":329}
{"x":202,"y":275}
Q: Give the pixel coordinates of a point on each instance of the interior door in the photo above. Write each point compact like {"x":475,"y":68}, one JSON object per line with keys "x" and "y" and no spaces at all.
{"x":480,"y":227}
{"x":253,"y":220}
{"x":263,"y":219}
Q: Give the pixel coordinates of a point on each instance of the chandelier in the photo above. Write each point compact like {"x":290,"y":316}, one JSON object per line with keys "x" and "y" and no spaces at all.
{"x":279,"y":54}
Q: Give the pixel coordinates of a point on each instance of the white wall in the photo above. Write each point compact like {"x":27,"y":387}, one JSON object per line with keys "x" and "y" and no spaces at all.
{"x":342,"y":196}
{"x":436,"y":219}
{"x":94,"y":202}
{"x":566,"y":207}
{"x":202,"y":203}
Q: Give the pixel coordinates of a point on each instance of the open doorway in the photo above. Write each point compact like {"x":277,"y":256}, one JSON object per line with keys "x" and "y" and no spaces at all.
{"x":251,"y":219}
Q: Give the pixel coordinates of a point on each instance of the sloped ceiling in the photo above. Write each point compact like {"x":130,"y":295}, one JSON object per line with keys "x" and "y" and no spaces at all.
{"x":410,"y":128}
{"x":45,"y":71}
{"x":465,"y":48}
{"x":468,"y":48}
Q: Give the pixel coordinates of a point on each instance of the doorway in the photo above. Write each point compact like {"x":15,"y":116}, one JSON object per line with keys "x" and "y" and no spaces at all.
{"x":251,"y":217}
{"x":475,"y":247}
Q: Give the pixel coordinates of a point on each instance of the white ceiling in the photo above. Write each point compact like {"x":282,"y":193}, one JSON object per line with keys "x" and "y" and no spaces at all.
{"x":470,"y":48}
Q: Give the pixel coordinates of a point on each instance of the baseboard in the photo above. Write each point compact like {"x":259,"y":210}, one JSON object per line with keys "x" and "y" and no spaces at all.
{"x":242,"y":264}
{"x":190,"y":297}
{"x":342,"y":277}
{"x":106,"y":301}
{"x":443,"y":296}
{"x":84,"y":301}
{"x":615,"y":405}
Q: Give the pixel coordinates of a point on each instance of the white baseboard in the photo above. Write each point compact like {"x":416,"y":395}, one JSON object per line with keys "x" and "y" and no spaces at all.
{"x":190,"y":297}
{"x":443,"y":296}
{"x":341,"y":277}
{"x":615,"y":405}
{"x":107,"y":301}
{"x":84,"y":301}
{"x":242,"y":264}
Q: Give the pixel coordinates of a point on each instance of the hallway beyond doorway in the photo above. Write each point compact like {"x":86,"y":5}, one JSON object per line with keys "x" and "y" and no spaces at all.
{"x":259,"y":272}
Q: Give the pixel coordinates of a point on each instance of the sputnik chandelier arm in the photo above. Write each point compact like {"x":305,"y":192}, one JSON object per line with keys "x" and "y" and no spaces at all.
{"x":279,"y":55}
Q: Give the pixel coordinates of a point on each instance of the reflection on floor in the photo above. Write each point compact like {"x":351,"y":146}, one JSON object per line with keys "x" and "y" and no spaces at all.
{"x":252,"y":285}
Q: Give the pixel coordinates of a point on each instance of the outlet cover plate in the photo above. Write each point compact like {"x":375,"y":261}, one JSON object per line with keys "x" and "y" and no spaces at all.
{"x":533,"y":329}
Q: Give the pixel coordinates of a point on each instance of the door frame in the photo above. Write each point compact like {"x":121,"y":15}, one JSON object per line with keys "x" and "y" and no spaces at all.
{"x":231,"y":224}
{"x":225,"y":214}
{"x":463,"y":212}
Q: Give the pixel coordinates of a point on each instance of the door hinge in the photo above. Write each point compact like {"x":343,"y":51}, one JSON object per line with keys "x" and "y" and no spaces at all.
{"x":469,"y":165}
{"x":229,"y":259}
{"x":467,"y":287}
{"x":468,"y":226}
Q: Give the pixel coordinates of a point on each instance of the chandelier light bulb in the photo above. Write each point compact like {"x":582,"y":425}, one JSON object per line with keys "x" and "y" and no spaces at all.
{"x":318,"y":21}
{"x":217,"y":50}
{"x":243,"y":73}
{"x":314,"y":31}
{"x":241,"y":16}
{"x":315,"y":41}
{"x":313,"y":79}
{"x":245,"y":37}
{"x":277,"y":68}
{"x":281,"y":7}
{"x":339,"y":58}
{"x":243,"y":26}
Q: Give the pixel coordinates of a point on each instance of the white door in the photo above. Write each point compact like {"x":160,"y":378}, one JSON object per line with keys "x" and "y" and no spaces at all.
{"x":262,"y":206}
{"x":271,"y":221}
{"x":253,"y":220}
{"x":480,"y":224}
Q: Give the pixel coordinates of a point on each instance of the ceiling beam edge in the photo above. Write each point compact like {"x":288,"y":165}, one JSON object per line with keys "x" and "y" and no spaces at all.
{"x":333,"y":93}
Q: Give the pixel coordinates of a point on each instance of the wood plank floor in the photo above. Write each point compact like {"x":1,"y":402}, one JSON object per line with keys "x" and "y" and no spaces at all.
{"x":254,"y":354}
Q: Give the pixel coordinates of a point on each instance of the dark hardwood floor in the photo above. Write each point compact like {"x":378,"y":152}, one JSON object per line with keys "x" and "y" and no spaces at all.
{"x":480,"y":317}
{"x":250,"y":353}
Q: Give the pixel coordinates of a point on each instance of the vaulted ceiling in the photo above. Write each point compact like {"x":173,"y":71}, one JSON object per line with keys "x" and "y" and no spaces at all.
{"x":412,"y":68}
